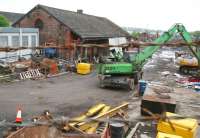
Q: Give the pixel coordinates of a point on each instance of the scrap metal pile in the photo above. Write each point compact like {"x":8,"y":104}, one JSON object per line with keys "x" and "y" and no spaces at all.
{"x":92,"y":116}
{"x":94,"y":123}
{"x":104,"y":121}
{"x":37,"y":67}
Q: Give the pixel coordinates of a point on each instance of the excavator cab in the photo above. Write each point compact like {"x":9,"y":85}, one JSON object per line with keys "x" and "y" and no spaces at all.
{"x":129,"y":56}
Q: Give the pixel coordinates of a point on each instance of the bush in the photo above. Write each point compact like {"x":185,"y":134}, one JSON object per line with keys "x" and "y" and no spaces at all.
{"x":4,"y":21}
{"x":136,"y":35}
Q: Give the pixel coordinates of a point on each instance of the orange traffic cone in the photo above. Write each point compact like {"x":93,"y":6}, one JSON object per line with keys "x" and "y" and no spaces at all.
{"x":19,"y":116}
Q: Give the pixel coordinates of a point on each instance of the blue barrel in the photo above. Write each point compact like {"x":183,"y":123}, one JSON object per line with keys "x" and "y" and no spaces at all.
{"x":142,"y":87}
{"x":196,"y":86}
{"x":50,"y":52}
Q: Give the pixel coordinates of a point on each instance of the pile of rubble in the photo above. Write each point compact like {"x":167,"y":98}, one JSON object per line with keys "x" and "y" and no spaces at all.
{"x":94,"y":123}
{"x":37,"y":67}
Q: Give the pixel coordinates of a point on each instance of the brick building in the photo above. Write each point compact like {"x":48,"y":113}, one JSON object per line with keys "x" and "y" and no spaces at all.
{"x":64,"y":28}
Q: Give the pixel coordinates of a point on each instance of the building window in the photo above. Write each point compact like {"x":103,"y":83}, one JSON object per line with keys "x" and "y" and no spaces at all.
{"x":33,"y":40}
{"x":39,"y":24}
{"x":24,"y":40}
{"x":15,"y":41}
{"x":3,"y":41}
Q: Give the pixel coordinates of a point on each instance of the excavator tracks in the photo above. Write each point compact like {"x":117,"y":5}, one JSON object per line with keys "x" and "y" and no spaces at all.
{"x":187,"y":70}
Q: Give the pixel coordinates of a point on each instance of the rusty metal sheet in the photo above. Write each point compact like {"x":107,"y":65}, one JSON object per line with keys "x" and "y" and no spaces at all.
{"x":157,"y":105}
{"x":46,"y":132}
{"x":31,"y":132}
{"x":155,"y":98}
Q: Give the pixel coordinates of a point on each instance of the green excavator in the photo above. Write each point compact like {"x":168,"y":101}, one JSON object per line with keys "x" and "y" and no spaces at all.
{"x":125,"y":69}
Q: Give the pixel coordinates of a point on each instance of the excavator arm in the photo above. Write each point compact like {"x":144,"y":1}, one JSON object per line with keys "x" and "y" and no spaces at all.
{"x":186,"y":36}
{"x":141,"y":58}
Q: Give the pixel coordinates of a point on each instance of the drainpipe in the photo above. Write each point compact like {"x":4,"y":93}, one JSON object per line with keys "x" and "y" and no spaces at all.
{"x":20,"y":37}
{"x":20,"y":40}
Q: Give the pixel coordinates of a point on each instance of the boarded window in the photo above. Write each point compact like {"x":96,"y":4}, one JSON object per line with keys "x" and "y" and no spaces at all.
{"x":33,"y":40}
{"x":39,"y":24}
{"x":15,"y":41}
{"x":24,"y":40}
{"x":3,"y":41}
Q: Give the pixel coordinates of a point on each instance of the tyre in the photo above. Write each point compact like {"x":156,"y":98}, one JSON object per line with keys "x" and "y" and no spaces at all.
{"x":101,"y":84}
{"x":136,"y":79}
{"x":183,"y":70}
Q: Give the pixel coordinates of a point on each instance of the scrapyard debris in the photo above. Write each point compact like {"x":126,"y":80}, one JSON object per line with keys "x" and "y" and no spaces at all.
{"x":134,"y":129}
{"x":190,"y":83}
{"x":96,"y":112}
{"x":96,"y":126}
{"x":92,"y":124}
{"x":161,"y":88}
{"x":39,"y":126}
{"x":186,"y":127}
{"x":20,"y":67}
{"x":178,"y":75}
{"x":5,"y":70}
{"x":36,"y":68}
{"x":165,"y":73}
{"x":161,"y":135}
{"x":156,"y":104}
{"x":30,"y":74}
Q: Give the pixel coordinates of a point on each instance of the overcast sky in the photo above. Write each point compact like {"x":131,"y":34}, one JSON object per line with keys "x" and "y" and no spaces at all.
{"x":152,"y":14}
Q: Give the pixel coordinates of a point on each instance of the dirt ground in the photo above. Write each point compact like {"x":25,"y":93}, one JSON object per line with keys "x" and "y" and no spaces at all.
{"x":67,"y":95}
{"x":72,"y":94}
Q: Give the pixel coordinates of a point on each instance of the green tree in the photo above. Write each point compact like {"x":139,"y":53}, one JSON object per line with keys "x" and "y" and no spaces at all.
{"x":136,"y":35}
{"x":4,"y":22}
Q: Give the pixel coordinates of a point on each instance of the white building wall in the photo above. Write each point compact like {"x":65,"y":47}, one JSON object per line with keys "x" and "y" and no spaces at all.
{"x":14,"y":56}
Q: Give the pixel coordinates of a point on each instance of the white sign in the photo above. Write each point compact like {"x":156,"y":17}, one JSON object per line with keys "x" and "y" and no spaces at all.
{"x":117,"y":41}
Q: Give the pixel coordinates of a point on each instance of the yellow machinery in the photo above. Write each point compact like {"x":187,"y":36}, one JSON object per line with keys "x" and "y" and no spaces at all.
{"x":83,"y":68}
{"x":187,"y":127}
{"x":164,"y":135}
{"x":187,"y":62}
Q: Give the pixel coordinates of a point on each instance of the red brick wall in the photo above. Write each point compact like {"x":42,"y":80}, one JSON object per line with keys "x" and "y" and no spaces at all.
{"x":52,"y":30}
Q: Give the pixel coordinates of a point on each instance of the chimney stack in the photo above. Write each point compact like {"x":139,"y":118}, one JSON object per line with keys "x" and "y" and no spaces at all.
{"x":80,"y":11}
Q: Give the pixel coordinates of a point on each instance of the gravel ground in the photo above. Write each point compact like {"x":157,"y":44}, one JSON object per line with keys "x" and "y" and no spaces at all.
{"x":64,"y":95}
